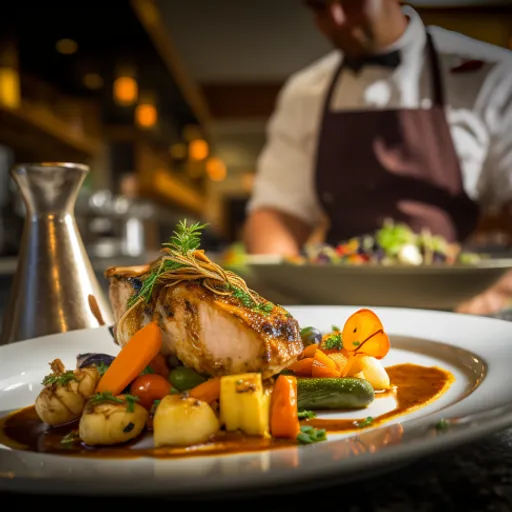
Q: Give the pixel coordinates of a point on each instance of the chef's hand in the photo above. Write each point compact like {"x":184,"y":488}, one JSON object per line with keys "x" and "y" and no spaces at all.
{"x":491,"y":301}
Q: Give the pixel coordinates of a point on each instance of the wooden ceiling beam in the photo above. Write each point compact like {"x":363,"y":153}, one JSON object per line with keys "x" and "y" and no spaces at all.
{"x":147,"y":13}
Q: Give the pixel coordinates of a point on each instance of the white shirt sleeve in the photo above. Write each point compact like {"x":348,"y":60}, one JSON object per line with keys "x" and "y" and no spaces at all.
{"x":496,"y":108}
{"x":285,"y":169}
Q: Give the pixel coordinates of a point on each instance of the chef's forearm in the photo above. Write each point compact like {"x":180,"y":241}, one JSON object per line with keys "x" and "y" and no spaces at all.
{"x":504,"y":285}
{"x":271,"y":232}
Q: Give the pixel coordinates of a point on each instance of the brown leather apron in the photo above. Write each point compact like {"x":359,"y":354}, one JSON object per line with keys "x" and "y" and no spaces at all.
{"x":398,"y":164}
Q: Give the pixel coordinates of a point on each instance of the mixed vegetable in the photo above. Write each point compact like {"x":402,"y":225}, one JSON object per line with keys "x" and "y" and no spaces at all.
{"x":116,"y":399}
{"x":392,"y":244}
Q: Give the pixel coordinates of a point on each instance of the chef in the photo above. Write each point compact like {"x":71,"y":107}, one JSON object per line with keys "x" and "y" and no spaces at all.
{"x":400,"y":121}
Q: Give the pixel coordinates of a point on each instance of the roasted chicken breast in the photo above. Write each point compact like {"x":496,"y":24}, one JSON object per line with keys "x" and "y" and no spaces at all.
{"x":213,"y":334}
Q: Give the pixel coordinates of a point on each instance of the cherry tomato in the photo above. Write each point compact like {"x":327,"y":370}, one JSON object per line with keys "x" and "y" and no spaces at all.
{"x":159,"y":365}
{"x":149,"y":388}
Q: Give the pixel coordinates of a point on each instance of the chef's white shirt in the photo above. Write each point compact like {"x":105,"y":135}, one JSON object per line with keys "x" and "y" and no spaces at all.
{"x":478,"y":109}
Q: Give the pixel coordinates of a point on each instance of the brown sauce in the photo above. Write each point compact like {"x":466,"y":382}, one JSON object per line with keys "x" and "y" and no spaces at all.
{"x":413,"y":387}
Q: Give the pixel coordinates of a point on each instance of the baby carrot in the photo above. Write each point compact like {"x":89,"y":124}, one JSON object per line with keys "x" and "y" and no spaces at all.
{"x":132,"y":359}
{"x":284,"y":421}
{"x":208,"y":391}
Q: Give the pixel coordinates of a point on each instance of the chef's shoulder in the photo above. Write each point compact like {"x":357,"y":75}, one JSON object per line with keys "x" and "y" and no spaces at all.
{"x":309,"y":83}
{"x":476,"y":73}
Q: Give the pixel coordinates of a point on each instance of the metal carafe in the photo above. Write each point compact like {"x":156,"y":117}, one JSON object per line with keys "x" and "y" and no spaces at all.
{"x":55,"y":288}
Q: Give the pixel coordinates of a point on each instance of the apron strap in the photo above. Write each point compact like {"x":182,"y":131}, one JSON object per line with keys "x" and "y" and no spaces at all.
{"x":435,"y":69}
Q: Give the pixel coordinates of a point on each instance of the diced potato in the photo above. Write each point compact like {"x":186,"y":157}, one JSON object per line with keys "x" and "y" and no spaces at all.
{"x":244,"y":405}
{"x":183,"y":421}
{"x":370,"y":369}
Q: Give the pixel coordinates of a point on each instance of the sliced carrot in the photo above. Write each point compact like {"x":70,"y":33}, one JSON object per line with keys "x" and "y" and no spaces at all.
{"x":302,"y":368}
{"x":159,"y":365}
{"x":340,"y":360}
{"x":284,"y":420}
{"x":208,"y":391}
{"x":309,"y":351}
{"x":132,"y":359}
{"x":324,"y":366}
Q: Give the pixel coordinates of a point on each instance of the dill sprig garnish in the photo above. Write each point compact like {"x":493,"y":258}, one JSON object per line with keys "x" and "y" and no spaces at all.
{"x":186,"y":239}
{"x":60,"y":379}
{"x":148,"y":285}
{"x":182,"y":261}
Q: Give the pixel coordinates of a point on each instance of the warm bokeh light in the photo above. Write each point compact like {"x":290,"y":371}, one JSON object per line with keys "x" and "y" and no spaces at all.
{"x":198,"y":149}
{"x":146,"y":115}
{"x":216,"y":169}
{"x":66,"y":46}
{"x":93,"y":81}
{"x":126,"y":91}
{"x":9,"y":87}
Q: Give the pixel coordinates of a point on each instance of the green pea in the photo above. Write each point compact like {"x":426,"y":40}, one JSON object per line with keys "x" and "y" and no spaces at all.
{"x":183,"y":378}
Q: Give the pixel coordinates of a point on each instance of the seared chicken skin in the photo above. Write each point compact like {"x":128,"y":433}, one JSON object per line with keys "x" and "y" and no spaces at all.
{"x":213,"y":334}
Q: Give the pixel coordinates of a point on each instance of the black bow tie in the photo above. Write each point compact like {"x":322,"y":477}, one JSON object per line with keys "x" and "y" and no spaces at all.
{"x":388,"y":60}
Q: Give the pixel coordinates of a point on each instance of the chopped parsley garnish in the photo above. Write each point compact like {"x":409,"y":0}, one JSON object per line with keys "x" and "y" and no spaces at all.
{"x":306,"y":415}
{"x":101,"y":367}
{"x":130,"y":402}
{"x":306,"y":330}
{"x":335,"y":328}
{"x":247,"y":301}
{"x":442,"y":425}
{"x":356,"y":343}
{"x":107,"y":396}
{"x":365,"y":423}
{"x":59,"y":379}
{"x":333,"y":341}
{"x":309,"y":434}
{"x":70,"y":438}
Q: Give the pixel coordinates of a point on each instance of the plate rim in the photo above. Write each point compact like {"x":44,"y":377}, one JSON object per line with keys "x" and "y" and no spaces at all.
{"x":484,"y":266}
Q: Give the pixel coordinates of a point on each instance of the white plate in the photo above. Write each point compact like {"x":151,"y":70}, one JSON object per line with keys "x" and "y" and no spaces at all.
{"x":476,"y":350}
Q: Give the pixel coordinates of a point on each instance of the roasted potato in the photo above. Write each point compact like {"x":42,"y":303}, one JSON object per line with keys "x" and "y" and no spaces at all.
{"x":245,"y":404}
{"x":183,"y":421}
{"x":65,"y":393}
{"x":109,"y":420}
{"x":370,"y":369}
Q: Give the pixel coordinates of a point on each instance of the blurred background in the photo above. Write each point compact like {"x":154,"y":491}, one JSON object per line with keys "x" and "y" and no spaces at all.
{"x":167,"y":101}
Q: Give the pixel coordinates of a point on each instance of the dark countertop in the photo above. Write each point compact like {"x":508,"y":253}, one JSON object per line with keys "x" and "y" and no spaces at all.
{"x":474,"y":478}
